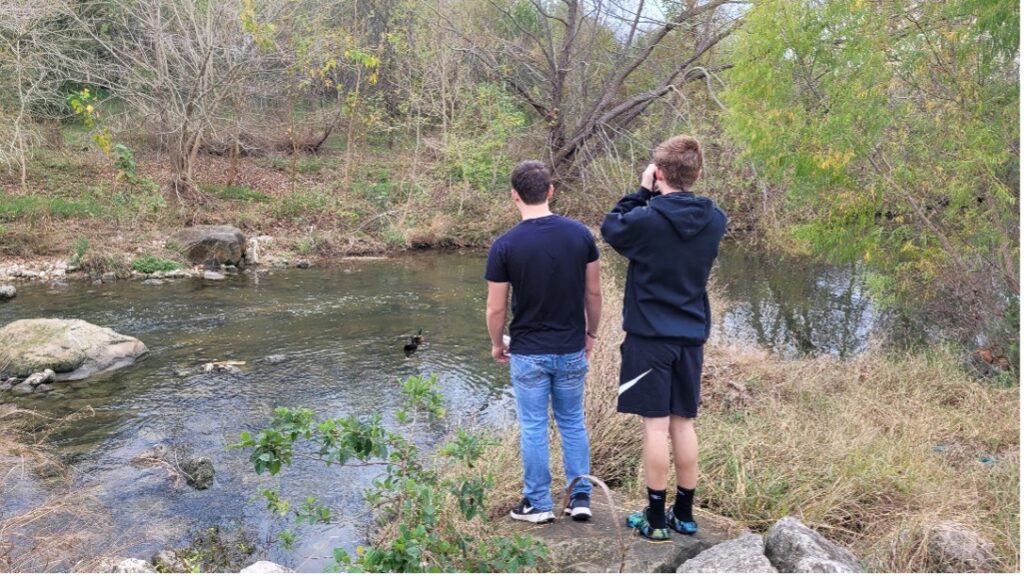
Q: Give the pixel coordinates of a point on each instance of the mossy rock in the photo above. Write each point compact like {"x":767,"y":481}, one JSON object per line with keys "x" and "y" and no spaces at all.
{"x":211,"y":244}
{"x":74,"y":349}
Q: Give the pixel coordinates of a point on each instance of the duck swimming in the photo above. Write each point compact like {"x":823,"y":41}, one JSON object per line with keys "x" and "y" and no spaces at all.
{"x":414,"y":343}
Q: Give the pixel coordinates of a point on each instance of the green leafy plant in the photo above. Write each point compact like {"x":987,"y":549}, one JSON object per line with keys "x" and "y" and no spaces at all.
{"x":149,"y":264}
{"x":81,"y":247}
{"x":434,"y":523}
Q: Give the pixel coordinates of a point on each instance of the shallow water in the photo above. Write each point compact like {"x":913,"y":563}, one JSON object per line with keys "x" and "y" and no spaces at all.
{"x":339,"y":330}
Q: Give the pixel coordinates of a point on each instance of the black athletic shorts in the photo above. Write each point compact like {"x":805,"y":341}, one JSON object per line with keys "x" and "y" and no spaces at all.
{"x":660,"y":377}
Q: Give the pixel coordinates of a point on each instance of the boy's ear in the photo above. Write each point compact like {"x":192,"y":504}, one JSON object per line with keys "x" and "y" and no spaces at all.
{"x":551,"y":191}
{"x":515,"y":196}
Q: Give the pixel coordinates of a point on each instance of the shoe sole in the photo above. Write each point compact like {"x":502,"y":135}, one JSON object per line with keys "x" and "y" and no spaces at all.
{"x":579,"y":514}
{"x":535,"y":518}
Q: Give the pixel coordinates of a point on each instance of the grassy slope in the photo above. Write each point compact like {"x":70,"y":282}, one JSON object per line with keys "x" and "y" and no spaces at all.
{"x":863,"y":450}
{"x":391,"y":202}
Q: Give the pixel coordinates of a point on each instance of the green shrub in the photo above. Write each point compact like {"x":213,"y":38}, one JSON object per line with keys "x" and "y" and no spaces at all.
{"x":236,"y":192}
{"x":81,"y":247}
{"x":150,"y":264}
{"x":301,"y":203}
{"x":441,"y":524}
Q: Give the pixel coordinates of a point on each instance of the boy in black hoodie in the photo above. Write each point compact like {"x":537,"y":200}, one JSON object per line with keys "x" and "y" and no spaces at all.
{"x":671,"y":238}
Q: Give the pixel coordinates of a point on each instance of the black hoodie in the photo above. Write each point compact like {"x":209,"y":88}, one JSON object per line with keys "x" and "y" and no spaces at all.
{"x":671,"y":242}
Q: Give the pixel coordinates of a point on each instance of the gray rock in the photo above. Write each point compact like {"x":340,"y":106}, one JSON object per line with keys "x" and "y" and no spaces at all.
{"x":40,"y":378}
{"x":108,"y":277}
{"x":743,"y":554}
{"x":954,"y":547}
{"x":212,"y":244}
{"x":275,"y":359}
{"x":198,"y":472}
{"x":226,"y":367}
{"x":254,"y":248}
{"x":169,"y":561}
{"x":44,"y":388}
{"x":793,"y":547}
{"x":264,"y":567}
{"x":73,"y":349}
{"x":7,"y":292}
{"x":211,"y":275}
{"x":8,"y":384}
{"x":23,"y":389}
{"x":126,"y":566}
{"x":153,"y":282}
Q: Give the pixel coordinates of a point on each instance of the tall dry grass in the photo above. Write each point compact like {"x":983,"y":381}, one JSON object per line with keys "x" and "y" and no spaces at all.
{"x":45,"y":523}
{"x":872,"y":451}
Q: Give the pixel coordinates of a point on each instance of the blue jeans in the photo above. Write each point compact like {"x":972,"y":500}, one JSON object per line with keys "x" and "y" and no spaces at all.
{"x":535,"y":379}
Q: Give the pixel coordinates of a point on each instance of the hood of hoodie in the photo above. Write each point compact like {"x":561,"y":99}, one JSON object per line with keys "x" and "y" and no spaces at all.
{"x":687,"y":213}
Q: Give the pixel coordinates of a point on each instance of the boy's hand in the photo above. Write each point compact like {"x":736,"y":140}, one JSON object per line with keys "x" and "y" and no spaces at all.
{"x":499,"y":353}
{"x":648,"y":180}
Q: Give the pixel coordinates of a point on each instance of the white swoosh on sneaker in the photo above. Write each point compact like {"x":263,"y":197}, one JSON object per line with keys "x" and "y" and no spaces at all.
{"x":627,"y":385}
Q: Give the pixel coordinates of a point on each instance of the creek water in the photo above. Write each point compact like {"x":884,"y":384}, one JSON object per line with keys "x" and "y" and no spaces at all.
{"x":337,"y":334}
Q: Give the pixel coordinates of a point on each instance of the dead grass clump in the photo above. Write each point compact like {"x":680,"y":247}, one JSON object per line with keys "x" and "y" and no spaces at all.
{"x":859,"y":449}
{"x":45,"y":524}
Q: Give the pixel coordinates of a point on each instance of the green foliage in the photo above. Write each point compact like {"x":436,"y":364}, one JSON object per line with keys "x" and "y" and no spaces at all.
{"x":149,"y":264}
{"x":303,"y":203}
{"x":81,"y":247}
{"x":235,"y":192}
{"x":477,"y":151}
{"x":124,"y":162}
{"x":421,"y":395}
{"x":891,"y":125}
{"x":32,"y":207}
{"x":428,"y":536}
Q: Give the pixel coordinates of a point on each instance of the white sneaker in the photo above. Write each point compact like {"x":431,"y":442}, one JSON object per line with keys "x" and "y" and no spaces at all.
{"x":527,"y":513}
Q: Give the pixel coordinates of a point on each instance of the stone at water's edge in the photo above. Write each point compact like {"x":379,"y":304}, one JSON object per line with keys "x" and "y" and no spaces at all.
{"x":198,"y":472}
{"x":7,"y":292}
{"x":740,"y":555}
{"x":954,"y":547}
{"x":793,"y":547}
{"x":73,"y":349}
{"x":212,"y":244}
{"x":264,"y":567}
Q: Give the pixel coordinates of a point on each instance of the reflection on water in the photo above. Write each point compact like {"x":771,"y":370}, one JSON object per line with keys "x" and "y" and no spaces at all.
{"x":792,"y":306}
{"x":338,"y":330}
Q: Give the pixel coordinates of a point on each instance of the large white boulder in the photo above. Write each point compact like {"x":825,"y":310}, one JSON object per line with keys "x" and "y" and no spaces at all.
{"x":73,"y":349}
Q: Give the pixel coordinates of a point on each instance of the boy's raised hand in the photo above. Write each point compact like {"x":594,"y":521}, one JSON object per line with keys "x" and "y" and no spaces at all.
{"x":648,"y":179}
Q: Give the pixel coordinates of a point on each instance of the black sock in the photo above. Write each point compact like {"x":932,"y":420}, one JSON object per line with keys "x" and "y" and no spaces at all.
{"x":656,"y":507}
{"x":683,"y":509}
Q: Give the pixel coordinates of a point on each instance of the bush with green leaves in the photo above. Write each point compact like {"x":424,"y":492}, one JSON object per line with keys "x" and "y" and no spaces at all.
{"x":150,"y":264}
{"x":429,"y":523}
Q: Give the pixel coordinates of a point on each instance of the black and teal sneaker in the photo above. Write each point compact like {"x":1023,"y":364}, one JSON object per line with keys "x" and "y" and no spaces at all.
{"x":687,"y":528}
{"x":579,"y":508}
{"x":638,"y":522}
{"x":527,"y":513}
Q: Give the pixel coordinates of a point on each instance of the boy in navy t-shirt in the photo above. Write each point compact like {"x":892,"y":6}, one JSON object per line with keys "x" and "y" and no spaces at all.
{"x":551,"y":265}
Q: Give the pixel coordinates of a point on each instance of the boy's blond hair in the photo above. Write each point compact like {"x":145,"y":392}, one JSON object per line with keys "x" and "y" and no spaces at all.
{"x":680,"y":160}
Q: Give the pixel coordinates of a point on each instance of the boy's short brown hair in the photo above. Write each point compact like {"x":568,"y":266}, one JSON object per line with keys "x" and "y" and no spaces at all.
{"x":531,"y":180}
{"x":680,"y":160}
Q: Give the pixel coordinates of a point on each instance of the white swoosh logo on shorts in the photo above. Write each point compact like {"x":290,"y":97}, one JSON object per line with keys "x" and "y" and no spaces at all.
{"x":626,"y":386}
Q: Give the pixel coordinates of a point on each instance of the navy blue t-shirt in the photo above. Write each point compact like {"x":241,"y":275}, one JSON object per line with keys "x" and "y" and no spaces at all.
{"x":545,"y":260}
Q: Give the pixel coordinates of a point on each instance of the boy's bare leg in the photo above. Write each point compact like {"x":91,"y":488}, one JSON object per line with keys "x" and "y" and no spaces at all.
{"x":684,"y":451}
{"x":656,"y":433}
